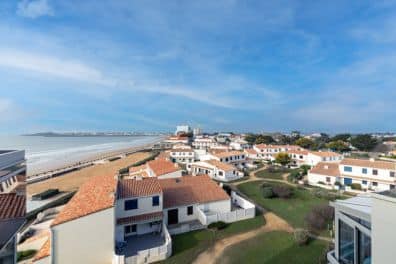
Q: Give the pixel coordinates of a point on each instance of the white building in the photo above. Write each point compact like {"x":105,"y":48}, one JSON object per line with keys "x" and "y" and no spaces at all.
{"x":372,"y":175}
{"x":314,"y":157}
{"x":204,"y":143}
{"x":183,"y":129}
{"x":364,"y":229}
{"x":252,"y":154}
{"x":130,"y":221}
{"x":237,"y":158}
{"x":215,"y":169}
{"x":182,"y":155}
{"x":239,"y":144}
{"x":269,"y":152}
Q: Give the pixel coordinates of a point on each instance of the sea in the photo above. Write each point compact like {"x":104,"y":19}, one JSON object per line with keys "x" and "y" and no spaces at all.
{"x":47,"y":153}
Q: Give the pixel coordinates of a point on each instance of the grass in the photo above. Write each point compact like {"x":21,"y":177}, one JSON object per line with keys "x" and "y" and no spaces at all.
{"x":26,"y":254}
{"x":186,"y":247}
{"x":272,"y":173}
{"x":293,"y":210}
{"x":274,"y":247}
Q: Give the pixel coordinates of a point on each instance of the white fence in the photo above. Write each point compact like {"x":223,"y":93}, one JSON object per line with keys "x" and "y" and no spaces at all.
{"x":246,"y":211}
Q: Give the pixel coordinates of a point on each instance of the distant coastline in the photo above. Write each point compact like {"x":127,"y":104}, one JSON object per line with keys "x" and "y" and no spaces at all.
{"x":92,"y":134}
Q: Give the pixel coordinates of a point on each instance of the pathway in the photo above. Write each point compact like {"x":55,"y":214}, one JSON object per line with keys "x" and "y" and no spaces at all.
{"x":273,"y":223}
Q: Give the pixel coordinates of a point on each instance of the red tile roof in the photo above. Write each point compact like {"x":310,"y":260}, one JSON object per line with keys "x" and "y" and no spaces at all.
{"x":12,"y":206}
{"x":326,"y":168}
{"x":129,"y":188}
{"x":221,"y":165}
{"x":138,"y":218}
{"x":225,"y":154}
{"x":162,"y":166}
{"x":45,"y":251}
{"x":325,"y":153}
{"x":376,"y":164}
{"x":94,"y":195}
{"x":191,"y":190}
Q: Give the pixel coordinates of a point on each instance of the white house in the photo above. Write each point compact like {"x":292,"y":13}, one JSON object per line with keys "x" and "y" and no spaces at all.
{"x":215,"y":169}
{"x":314,"y":157}
{"x":298,"y":156}
{"x":160,"y":167}
{"x":237,"y":158}
{"x":364,"y":229}
{"x":239,"y":144}
{"x":252,"y":154}
{"x":204,"y":143}
{"x":182,"y":155}
{"x":130,"y":220}
{"x":371,"y":174}
{"x":324,"y":173}
{"x":268,"y":152}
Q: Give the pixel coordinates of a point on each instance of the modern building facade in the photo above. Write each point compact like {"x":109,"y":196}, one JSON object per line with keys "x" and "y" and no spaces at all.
{"x":364,"y":229}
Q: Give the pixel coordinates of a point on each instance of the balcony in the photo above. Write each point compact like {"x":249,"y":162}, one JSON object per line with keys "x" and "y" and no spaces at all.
{"x":145,"y":248}
{"x":241,"y":209}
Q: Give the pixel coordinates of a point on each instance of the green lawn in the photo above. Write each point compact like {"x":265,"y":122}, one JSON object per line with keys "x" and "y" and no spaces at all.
{"x":274,"y":173}
{"x":186,"y":247}
{"x":274,"y":248}
{"x":293,"y":210}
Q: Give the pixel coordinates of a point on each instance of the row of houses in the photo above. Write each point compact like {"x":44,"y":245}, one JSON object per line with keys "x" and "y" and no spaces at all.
{"x":130,"y":220}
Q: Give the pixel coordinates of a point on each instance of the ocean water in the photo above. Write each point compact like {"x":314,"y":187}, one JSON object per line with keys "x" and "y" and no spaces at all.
{"x":44,"y":153}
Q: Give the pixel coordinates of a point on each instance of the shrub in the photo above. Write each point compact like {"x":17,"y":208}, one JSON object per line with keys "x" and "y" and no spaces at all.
{"x":356,"y":186}
{"x":322,"y":183}
{"x":338,"y":183}
{"x":319,"y":217}
{"x":267,"y":192}
{"x":282,"y":191}
{"x":294,"y":176}
{"x":301,"y":237}
{"x":25,"y":254}
{"x":217,"y":225}
{"x":305,"y":169}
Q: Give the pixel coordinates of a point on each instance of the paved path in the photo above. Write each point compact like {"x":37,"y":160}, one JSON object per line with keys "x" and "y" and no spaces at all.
{"x":273,"y":223}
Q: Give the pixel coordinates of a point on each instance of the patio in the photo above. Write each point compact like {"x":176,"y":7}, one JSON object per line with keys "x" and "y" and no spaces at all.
{"x":142,"y":242}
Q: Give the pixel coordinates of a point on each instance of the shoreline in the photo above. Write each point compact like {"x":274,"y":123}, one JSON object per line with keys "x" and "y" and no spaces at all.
{"x":94,"y":158}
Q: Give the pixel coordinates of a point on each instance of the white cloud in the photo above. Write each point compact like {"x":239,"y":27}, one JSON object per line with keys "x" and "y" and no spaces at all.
{"x":34,"y":8}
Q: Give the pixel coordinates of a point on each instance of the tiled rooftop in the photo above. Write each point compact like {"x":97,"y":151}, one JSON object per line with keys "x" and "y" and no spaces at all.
{"x":129,"y":188}
{"x":12,"y":206}
{"x":191,"y":190}
{"x":377,"y":164}
{"x":326,"y":168}
{"x":94,"y":195}
{"x":162,"y":166}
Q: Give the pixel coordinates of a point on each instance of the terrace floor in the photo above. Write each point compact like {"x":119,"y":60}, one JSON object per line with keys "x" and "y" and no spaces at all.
{"x":142,"y":242}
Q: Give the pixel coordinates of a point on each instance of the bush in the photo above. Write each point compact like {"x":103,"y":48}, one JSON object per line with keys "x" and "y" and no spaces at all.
{"x":25,"y":254}
{"x":322,"y":183}
{"x":267,"y":192}
{"x":217,"y":225}
{"x":305,"y":169}
{"x":301,"y":237}
{"x":294,"y":176}
{"x":338,"y":183}
{"x":319,"y":217}
{"x":356,"y":186}
{"x":282,"y":192}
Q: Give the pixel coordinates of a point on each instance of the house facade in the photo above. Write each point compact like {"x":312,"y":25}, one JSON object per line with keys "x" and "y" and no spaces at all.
{"x":160,"y":168}
{"x":204,"y":143}
{"x":182,"y":155}
{"x":131,"y":220}
{"x":269,"y":152}
{"x":215,"y":169}
{"x":364,"y":229}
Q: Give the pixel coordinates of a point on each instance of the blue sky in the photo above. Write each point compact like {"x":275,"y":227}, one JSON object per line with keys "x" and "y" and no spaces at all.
{"x":223,"y":65}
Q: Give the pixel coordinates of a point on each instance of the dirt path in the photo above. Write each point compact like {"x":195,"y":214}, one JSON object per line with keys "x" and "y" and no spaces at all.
{"x":252,"y":176}
{"x":273,"y":223}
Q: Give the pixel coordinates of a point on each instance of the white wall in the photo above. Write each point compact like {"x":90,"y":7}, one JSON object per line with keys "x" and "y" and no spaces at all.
{"x":383,"y":222}
{"x":175,"y":174}
{"x":88,"y":240}
{"x":314,"y":178}
{"x":219,"y":206}
{"x":182,"y":214}
{"x":145,"y":206}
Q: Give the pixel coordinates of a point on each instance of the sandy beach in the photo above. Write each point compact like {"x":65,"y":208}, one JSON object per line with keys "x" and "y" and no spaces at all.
{"x":72,"y":181}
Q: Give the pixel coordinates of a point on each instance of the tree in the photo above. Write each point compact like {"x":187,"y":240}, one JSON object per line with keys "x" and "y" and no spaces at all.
{"x":364,"y":142}
{"x":284,"y":140}
{"x":282,"y":158}
{"x":344,"y":137}
{"x":251,"y":138}
{"x":305,"y":143}
{"x":338,"y":145}
{"x":264,"y":139}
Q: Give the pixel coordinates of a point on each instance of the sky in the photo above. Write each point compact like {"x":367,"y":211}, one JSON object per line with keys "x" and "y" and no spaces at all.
{"x":225,"y":65}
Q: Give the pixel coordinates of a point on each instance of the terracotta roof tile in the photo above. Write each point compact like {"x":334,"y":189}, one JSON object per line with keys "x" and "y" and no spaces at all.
{"x":191,"y":190}
{"x":326,"y":168}
{"x":45,"y":251}
{"x":376,"y":164}
{"x":325,"y":153}
{"x":138,"y":218}
{"x":162,"y":166}
{"x":221,"y":165}
{"x":225,"y":154}
{"x":251,"y":151}
{"x":94,"y":195}
{"x":129,"y":188}
{"x":12,"y":206}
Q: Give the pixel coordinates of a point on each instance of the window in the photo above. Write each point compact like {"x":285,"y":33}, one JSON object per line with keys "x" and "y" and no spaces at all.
{"x":375,"y":183}
{"x":375,"y":172}
{"x":364,"y":248}
{"x":155,"y":200}
{"x":190,"y":210}
{"x":347,"y":169}
{"x":392,"y":174}
{"x":347,"y":181}
{"x":392,"y":186}
{"x":130,"y":229}
{"x":364,"y":170}
{"x":131,"y":204}
{"x":346,"y":243}
{"x":364,"y":182}
{"x":328,"y":179}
